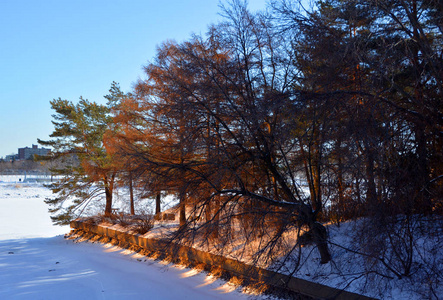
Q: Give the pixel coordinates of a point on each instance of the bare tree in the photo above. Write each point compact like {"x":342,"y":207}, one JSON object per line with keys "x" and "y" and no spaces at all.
{"x":222,"y":110}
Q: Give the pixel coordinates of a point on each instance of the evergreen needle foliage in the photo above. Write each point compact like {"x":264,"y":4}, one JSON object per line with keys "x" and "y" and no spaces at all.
{"x":86,"y":168}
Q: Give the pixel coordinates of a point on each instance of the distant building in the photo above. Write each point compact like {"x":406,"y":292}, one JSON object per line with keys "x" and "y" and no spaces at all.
{"x":28,"y":153}
{"x":11,"y":157}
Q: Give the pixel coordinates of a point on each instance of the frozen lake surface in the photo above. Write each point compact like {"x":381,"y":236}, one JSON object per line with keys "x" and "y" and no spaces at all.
{"x":36,"y":262}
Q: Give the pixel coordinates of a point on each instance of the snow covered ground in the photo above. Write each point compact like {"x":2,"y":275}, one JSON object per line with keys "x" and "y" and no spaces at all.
{"x":36,"y":262}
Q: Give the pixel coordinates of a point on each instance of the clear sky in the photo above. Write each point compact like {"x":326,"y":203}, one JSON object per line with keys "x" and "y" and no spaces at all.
{"x":68,"y":49}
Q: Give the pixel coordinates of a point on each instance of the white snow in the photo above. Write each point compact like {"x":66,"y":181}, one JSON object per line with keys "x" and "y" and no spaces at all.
{"x":36,"y":262}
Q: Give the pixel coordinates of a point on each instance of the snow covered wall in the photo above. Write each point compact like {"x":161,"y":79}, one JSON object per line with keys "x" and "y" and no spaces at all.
{"x":234,"y":267}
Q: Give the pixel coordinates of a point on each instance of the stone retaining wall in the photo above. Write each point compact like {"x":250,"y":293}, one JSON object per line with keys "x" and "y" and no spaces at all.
{"x":237,"y":268}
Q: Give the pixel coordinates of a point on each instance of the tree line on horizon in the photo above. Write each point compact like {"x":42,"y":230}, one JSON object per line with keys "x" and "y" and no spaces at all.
{"x":279,"y":120}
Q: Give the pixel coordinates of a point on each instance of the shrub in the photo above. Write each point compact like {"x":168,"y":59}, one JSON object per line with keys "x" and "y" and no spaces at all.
{"x":143,"y":224}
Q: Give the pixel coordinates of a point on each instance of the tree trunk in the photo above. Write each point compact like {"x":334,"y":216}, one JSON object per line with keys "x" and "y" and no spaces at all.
{"x":317,"y":204}
{"x":371,"y":194}
{"x":216,"y":221}
{"x":422,"y":198}
{"x":109,"y":189}
{"x":131,"y":194}
{"x":311,"y":161}
{"x":157,"y":204}
{"x":319,"y":235}
{"x":318,"y":232}
{"x":182,"y":208}
{"x":108,"y":207}
{"x":340,"y":188}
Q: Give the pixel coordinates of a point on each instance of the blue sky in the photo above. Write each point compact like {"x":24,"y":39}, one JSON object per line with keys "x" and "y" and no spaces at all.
{"x":68,"y":49}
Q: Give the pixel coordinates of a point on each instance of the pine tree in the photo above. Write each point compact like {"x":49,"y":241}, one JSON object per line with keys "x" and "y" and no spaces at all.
{"x":88,"y":170}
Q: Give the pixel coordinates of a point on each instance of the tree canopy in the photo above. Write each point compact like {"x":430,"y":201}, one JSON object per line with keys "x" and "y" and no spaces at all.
{"x":277,"y":122}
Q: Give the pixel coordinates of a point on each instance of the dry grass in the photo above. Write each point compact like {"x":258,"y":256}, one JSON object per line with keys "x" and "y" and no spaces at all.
{"x":143,"y":224}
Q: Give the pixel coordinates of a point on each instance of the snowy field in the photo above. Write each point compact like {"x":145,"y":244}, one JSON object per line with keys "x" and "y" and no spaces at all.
{"x":36,"y":262}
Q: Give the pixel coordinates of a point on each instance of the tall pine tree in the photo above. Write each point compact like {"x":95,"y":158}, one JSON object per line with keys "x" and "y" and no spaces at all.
{"x":89,"y":171}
